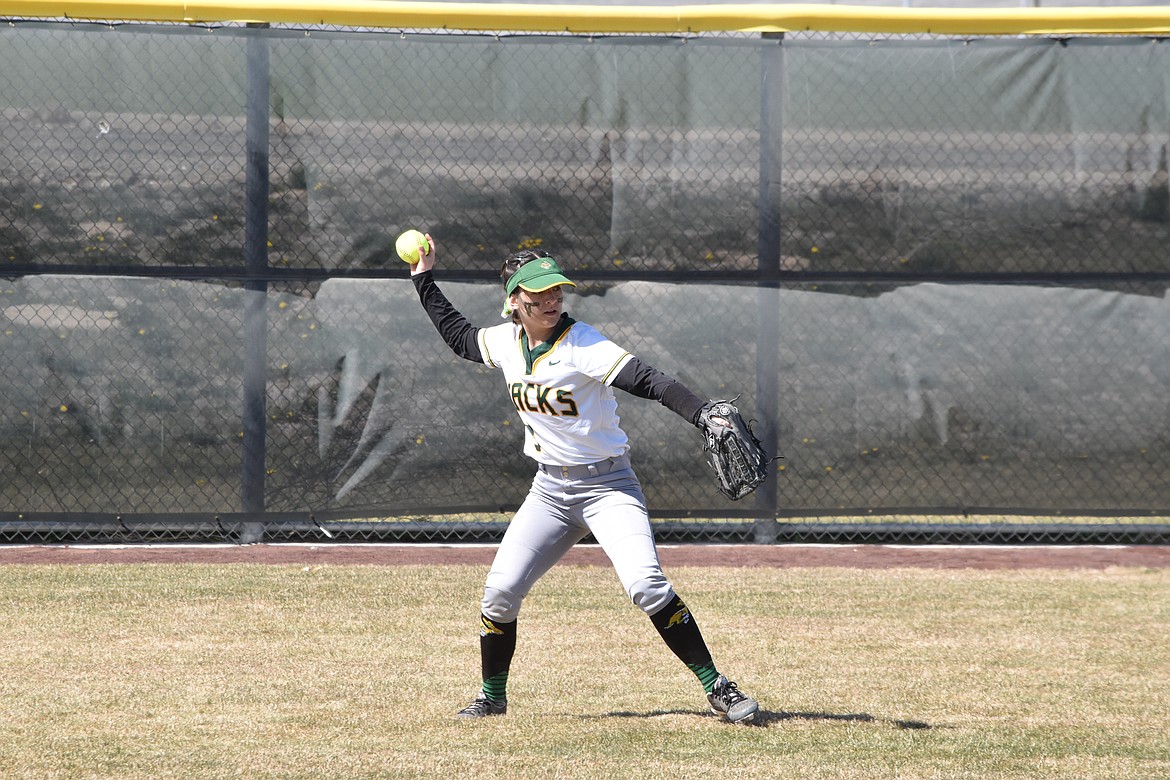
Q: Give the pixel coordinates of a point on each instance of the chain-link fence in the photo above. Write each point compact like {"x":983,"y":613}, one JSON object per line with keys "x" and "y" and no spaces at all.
{"x":935,"y":270}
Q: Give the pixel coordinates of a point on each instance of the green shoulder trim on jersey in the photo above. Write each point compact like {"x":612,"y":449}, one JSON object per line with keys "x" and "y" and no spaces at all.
{"x":533,"y":355}
{"x":609,"y":374}
{"x":483,"y":347}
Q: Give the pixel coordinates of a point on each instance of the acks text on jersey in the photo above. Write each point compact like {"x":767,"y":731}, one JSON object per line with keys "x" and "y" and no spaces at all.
{"x":533,"y":397}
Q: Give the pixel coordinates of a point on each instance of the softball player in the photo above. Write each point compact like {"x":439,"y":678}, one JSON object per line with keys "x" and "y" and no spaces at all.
{"x":560,"y":376}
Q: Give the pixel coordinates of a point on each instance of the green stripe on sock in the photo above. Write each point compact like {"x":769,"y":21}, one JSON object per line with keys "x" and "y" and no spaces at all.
{"x":496,"y":688}
{"x":707,"y":674}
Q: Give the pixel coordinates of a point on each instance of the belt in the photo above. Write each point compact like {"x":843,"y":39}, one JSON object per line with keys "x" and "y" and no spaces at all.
{"x":586,"y":470}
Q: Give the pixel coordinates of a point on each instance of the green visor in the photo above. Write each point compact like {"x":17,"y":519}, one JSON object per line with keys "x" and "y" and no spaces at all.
{"x":537,"y":276}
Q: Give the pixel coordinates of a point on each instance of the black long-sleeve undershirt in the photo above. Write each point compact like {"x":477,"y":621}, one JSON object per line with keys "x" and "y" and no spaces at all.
{"x":636,"y":378}
{"x":461,"y":336}
{"x":644,"y":381}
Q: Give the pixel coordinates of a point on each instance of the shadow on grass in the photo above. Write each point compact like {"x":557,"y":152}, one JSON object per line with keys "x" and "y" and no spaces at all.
{"x":766,"y":718}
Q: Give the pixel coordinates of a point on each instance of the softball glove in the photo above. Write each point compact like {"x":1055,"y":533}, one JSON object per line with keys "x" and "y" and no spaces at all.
{"x":734,"y":452}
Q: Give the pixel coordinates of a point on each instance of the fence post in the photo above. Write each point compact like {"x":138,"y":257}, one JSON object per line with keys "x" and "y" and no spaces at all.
{"x":256,"y":286}
{"x":767,"y":289}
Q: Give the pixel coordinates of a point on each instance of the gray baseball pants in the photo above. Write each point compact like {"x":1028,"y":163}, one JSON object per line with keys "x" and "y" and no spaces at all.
{"x":565,"y":504}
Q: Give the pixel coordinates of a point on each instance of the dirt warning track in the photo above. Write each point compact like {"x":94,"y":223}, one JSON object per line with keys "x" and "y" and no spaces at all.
{"x":779,"y":556}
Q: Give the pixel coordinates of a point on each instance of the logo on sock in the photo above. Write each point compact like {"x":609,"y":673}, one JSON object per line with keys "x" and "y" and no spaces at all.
{"x":489,"y":627}
{"x":680,"y":617}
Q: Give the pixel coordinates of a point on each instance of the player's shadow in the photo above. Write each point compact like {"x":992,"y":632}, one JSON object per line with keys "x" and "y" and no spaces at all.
{"x":766,"y":718}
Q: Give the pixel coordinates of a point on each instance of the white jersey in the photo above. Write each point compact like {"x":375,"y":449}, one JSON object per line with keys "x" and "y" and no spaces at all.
{"x":561,"y":390}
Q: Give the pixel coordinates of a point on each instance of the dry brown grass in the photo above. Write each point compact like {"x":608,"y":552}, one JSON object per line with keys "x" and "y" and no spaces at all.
{"x":168,"y":671}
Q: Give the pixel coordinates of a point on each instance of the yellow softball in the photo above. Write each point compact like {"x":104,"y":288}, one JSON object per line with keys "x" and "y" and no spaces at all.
{"x":408,"y":243}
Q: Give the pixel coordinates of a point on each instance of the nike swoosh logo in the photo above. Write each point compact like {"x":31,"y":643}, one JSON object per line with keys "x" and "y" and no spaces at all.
{"x":553,"y":362}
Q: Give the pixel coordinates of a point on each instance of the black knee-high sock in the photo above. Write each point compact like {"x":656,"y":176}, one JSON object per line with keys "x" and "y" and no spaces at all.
{"x":497,"y":645}
{"x":681,"y":633}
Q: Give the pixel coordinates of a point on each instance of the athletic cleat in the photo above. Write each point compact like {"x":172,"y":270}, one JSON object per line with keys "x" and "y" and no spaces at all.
{"x":727,"y":700}
{"x":482,"y":707}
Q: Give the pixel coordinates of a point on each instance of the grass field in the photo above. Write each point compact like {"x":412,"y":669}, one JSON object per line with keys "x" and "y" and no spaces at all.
{"x":290,"y":671}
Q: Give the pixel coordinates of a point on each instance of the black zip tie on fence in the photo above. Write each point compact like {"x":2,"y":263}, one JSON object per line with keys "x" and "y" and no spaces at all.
{"x":224,"y":532}
{"x":129,"y":531}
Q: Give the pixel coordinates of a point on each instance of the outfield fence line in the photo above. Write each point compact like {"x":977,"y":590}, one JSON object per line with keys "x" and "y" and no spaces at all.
{"x":940,"y":293}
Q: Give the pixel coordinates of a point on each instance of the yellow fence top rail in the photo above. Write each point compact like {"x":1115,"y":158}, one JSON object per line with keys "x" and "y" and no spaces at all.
{"x":1131,"y":20}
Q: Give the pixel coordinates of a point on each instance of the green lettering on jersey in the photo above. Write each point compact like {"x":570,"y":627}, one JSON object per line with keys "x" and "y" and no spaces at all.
{"x":565,"y":398}
{"x":532,"y":433}
{"x":542,"y":404}
{"x":527,"y":397}
{"x":524,"y":393}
